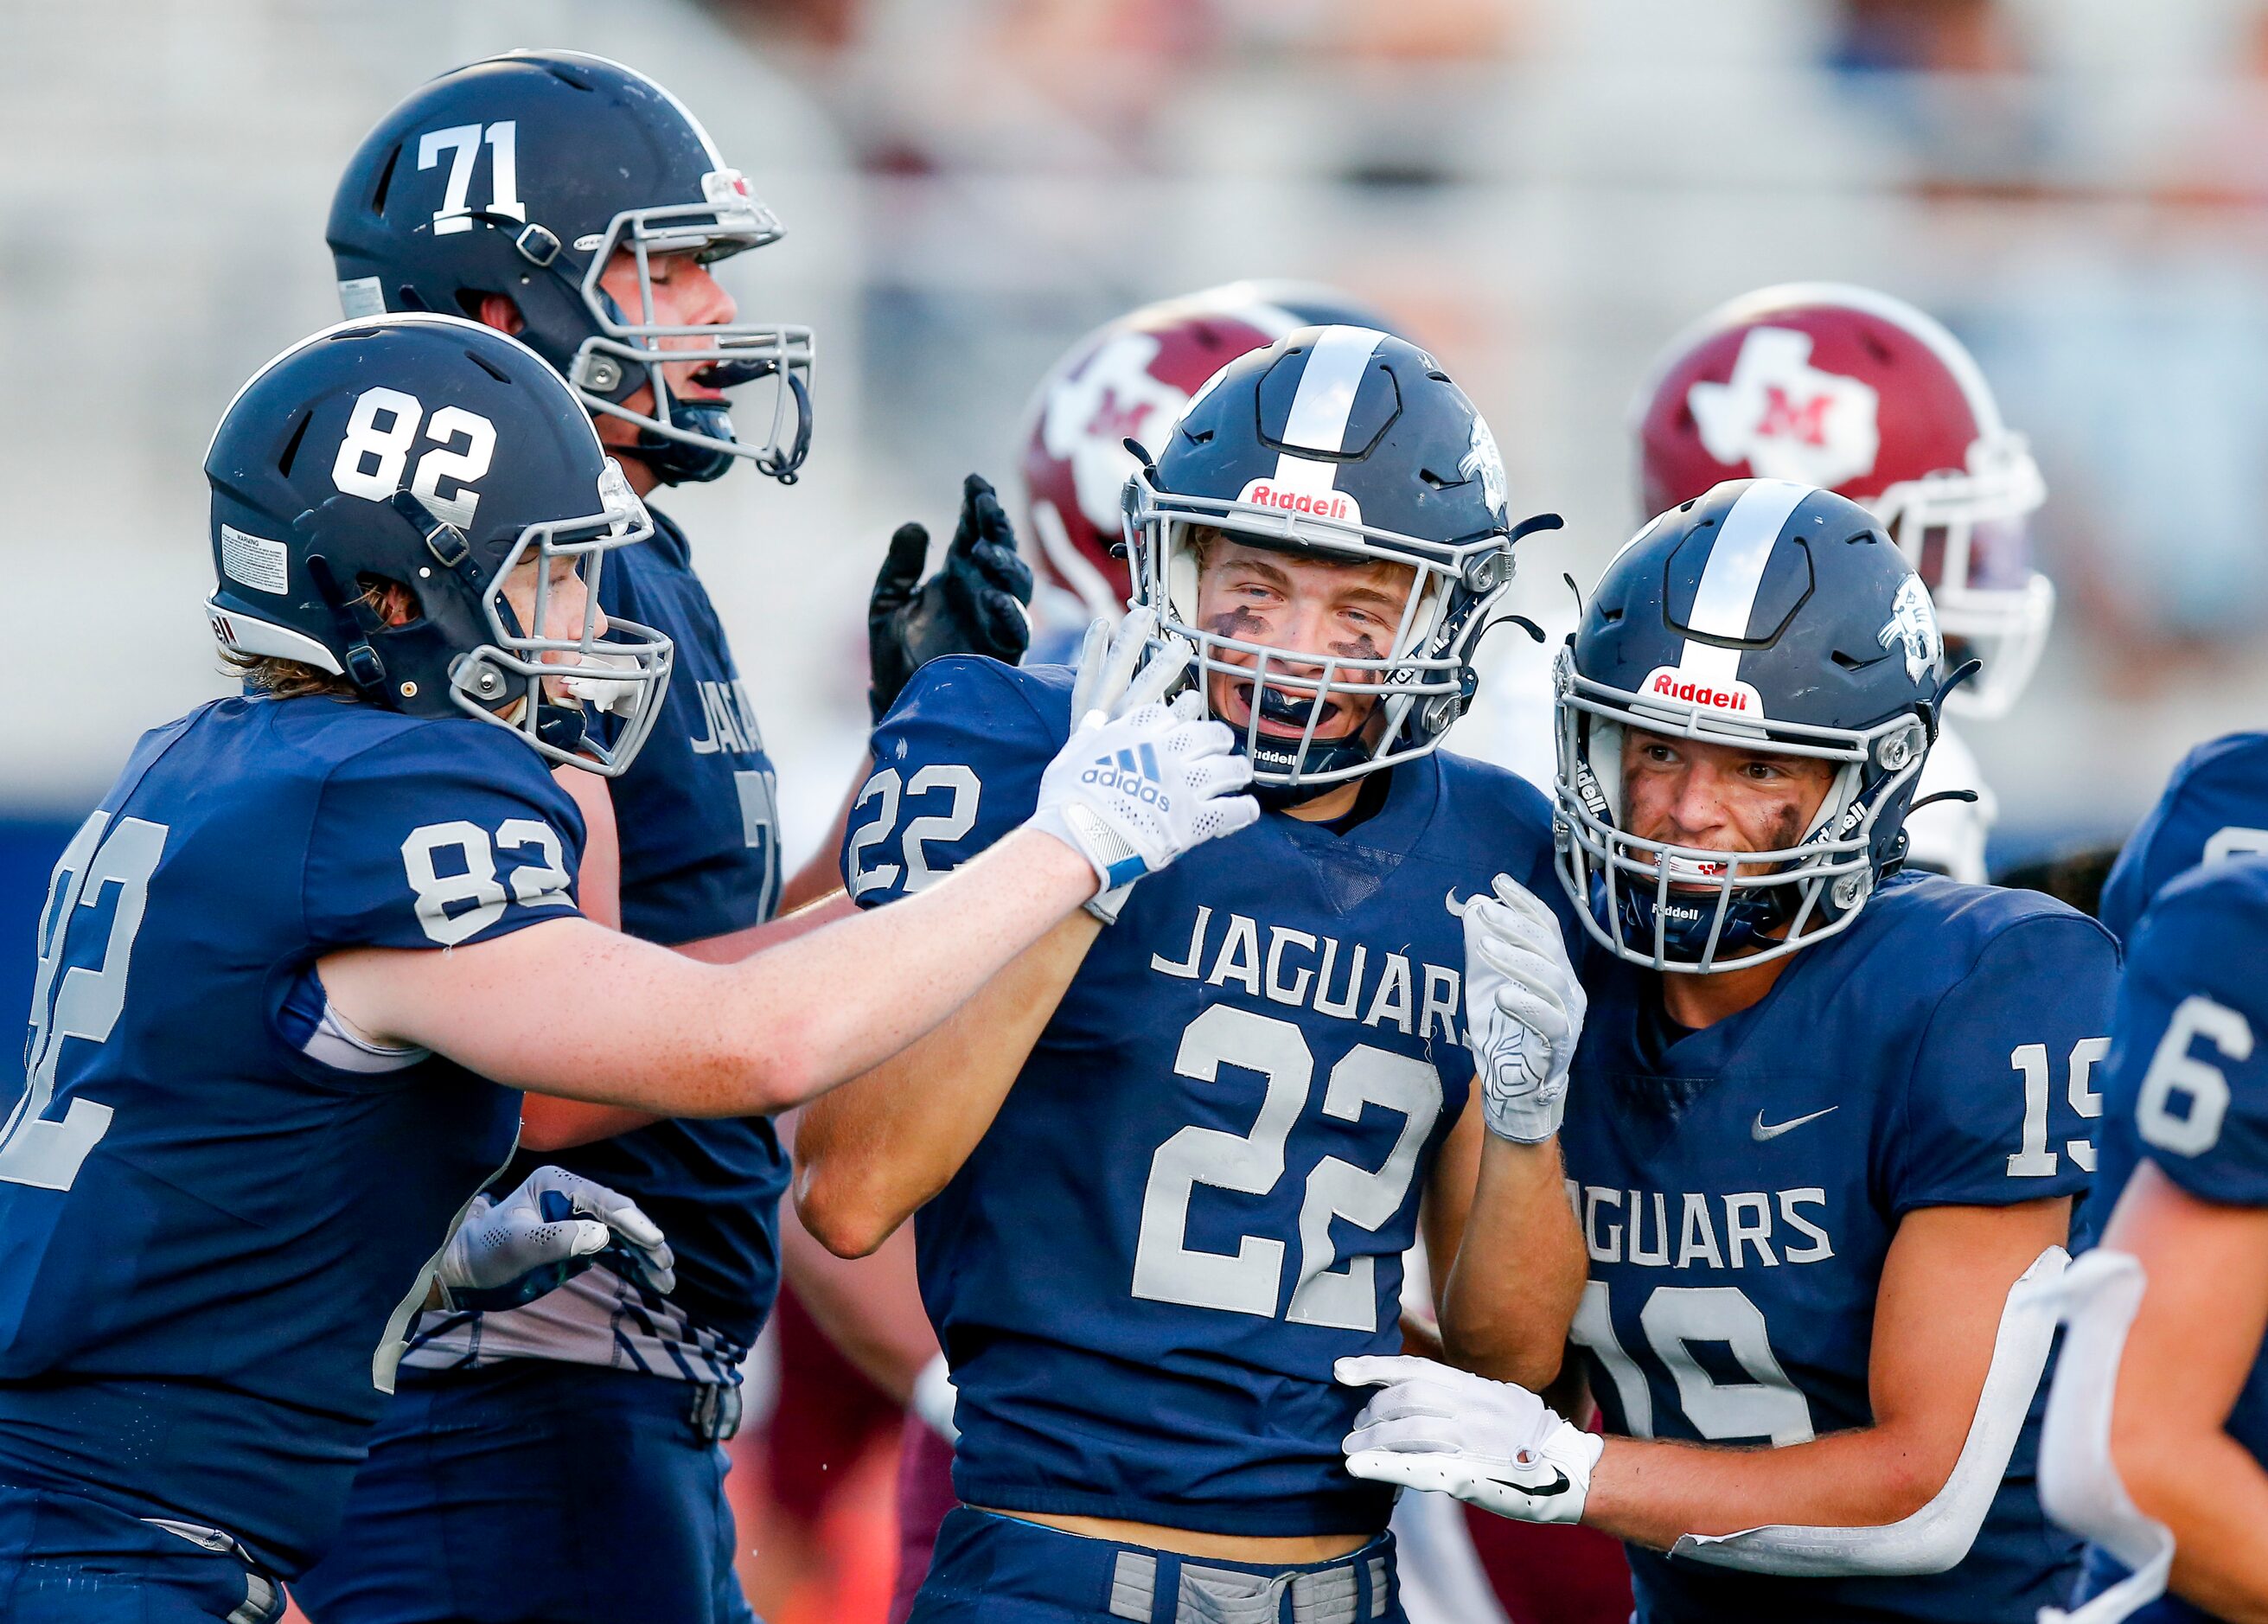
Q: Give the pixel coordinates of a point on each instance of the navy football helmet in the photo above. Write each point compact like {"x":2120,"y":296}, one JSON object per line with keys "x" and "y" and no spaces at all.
{"x":1769,"y":616}
{"x":1341,"y":443}
{"x":583,"y":158}
{"x":437,"y":455}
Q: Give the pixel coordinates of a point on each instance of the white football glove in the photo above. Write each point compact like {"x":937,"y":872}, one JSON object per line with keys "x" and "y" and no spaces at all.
{"x":1491,"y":1444}
{"x":1523,"y":1011}
{"x":1138,"y":784}
{"x":1104,"y":682}
{"x":555,"y":1225}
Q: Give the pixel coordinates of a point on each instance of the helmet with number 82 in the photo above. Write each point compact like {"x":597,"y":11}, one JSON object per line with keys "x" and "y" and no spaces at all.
{"x":435,"y":455}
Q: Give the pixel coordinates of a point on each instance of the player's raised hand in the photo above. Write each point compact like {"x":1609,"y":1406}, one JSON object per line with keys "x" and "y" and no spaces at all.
{"x":1523,"y":1011}
{"x":1140,"y":782}
{"x":1491,"y":1444}
{"x":549,"y":1229}
{"x":975,"y":604}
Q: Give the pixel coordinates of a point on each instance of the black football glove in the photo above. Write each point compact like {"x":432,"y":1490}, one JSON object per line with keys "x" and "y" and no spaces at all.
{"x":973,"y":605}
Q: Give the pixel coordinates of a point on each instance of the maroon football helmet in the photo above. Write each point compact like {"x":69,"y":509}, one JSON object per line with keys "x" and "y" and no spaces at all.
{"x":1860,"y":393}
{"x":1130,"y":379}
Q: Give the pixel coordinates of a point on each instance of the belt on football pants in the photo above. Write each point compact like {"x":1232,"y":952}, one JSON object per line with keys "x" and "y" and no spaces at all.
{"x":714,"y":1411}
{"x":1147,"y":1586}
{"x":1349,"y":1591}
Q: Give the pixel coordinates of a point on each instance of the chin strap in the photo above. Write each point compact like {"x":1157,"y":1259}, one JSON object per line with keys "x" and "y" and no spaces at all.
{"x":1938,"y":1536}
{"x":1933,"y":710}
{"x":1943,"y":795}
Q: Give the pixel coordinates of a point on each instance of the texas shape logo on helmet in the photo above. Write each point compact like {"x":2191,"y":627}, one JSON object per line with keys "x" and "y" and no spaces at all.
{"x":1114,"y":398}
{"x":1913,"y":623}
{"x":1485,"y":460}
{"x":1785,"y":417}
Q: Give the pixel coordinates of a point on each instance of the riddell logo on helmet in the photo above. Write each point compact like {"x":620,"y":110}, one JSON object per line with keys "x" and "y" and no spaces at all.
{"x":1668,"y":682}
{"x":1335,"y":506}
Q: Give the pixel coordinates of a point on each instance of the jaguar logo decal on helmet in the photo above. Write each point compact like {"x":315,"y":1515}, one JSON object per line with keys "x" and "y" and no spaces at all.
{"x":1481,"y":460}
{"x":1913,"y":625}
{"x":1785,"y":417}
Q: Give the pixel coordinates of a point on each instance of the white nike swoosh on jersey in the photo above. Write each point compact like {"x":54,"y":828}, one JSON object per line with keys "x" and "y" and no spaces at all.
{"x":1760,"y":1131}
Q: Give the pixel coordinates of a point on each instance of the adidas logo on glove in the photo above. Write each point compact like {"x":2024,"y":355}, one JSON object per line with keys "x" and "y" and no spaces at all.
{"x":1133,"y":773}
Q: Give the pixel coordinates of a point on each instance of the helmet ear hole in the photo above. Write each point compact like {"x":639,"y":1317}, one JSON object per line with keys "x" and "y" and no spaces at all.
{"x":291,"y":447}
{"x":393,"y":603}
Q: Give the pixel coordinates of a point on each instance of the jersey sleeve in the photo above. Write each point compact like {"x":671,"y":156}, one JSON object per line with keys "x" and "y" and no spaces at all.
{"x":2190,"y":1062}
{"x":2003,"y":1086}
{"x":957,"y":765}
{"x":2212,"y":808}
{"x":440,"y":837}
{"x":2149,"y":858}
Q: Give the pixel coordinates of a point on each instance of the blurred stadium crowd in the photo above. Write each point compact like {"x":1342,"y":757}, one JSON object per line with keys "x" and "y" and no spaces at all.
{"x":1544,"y":190}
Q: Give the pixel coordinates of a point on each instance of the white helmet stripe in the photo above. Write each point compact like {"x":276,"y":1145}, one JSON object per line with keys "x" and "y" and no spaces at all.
{"x":1328,"y":387}
{"x":1736,"y":570}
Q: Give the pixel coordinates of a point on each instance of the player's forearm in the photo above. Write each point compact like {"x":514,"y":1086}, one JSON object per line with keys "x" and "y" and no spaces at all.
{"x":1518,"y":1275}
{"x":1650,"y":1492}
{"x":570,"y":1010}
{"x":874,"y":1151}
{"x":841,"y":1000}
{"x":549,"y":1122}
{"x":2212,"y":1495}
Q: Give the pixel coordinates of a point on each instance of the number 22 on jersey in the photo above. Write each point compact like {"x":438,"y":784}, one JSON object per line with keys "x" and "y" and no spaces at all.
{"x":1250,"y":1279}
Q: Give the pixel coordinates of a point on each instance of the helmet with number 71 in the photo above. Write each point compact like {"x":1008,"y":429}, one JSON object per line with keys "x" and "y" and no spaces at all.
{"x":1778,"y":619}
{"x":524,"y":175}
{"x":417,"y":463}
{"x":1862,"y":393}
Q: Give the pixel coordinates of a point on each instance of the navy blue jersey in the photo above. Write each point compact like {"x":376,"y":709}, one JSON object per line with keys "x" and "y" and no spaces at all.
{"x":1739,"y":1187}
{"x":2215,"y":806}
{"x":700,"y":857}
{"x":2187,"y":1082}
{"x":1198,"y":1193}
{"x":218,"y":1200}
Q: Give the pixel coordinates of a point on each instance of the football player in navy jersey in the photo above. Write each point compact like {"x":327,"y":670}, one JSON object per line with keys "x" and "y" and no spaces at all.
{"x":1823,"y":1117}
{"x":296,"y":966}
{"x":2215,"y":806}
{"x":2156,"y":1444}
{"x":1167,"y":1167}
{"x":575,"y":202}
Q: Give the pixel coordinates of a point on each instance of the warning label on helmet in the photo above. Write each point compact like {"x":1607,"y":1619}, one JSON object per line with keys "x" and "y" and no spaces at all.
{"x":260,"y":564}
